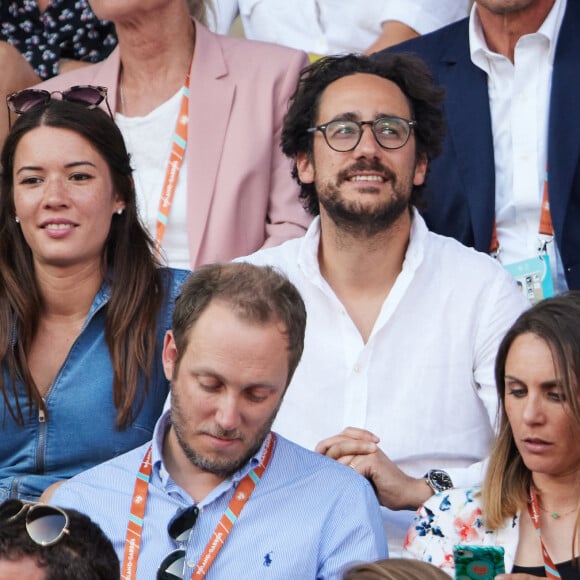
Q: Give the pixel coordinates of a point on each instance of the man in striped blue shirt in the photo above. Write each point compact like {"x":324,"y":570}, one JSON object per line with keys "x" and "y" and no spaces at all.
{"x":214,"y":475}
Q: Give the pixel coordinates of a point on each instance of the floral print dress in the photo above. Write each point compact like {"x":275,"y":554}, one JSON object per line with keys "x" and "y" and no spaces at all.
{"x":66,"y":29}
{"x":455,"y":517}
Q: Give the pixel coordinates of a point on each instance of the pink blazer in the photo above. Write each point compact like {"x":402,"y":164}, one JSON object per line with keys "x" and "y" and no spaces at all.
{"x":241,"y":196}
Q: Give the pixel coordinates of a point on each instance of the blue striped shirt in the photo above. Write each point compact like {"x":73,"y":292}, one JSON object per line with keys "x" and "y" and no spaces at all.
{"x":308,"y":518}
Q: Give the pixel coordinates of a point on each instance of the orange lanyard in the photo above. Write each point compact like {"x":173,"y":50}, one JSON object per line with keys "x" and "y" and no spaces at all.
{"x":176,"y":158}
{"x":135,"y":524}
{"x":533,"y":510}
{"x":546,"y":229}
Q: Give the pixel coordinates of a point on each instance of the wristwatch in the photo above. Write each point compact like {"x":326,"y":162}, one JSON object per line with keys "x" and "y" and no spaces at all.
{"x":438,"y":480}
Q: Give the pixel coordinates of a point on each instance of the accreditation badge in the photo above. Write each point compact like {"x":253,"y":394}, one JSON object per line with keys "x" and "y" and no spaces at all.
{"x":533,"y":277}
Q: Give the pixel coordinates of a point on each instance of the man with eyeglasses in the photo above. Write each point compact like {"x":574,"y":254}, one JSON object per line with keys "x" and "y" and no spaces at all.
{"x":396,"y":379}
{"x":216,"y":493}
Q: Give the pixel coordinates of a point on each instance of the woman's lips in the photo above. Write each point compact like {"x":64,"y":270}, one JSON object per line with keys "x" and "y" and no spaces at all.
{"x":534,"y":445}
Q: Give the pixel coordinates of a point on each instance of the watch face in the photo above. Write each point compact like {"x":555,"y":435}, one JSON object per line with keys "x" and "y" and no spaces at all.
{"x":440,"y":480}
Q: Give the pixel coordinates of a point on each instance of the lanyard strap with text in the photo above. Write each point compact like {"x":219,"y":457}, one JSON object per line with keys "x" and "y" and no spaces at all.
{"x":533,"y":509}
{"x":135,"y":524}
{"x":546,"y":229}
{"x":178,"y":146}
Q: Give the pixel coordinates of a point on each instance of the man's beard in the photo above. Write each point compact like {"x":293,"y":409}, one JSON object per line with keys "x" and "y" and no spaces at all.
{"x":360,"y":219}
{"x":222,"y":467}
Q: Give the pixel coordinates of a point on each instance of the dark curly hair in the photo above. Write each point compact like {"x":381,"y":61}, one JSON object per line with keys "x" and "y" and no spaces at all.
{"x":408,"y":72}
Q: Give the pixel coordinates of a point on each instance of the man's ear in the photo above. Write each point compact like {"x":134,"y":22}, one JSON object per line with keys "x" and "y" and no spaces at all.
{"x":169,"y":355}
{"x":420,"y":170}
{"x":305,"y":167}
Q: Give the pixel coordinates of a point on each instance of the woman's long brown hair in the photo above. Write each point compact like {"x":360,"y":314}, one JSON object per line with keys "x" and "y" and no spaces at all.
{"x":127,"y":264}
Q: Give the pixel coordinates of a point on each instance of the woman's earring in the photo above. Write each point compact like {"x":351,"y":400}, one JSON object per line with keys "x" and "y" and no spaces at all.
{"x":120,"y":210}
{"x":17,"y":219}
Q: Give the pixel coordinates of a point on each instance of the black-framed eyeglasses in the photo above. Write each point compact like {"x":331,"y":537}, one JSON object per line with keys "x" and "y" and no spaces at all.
{"x":179,"y":528}
{"x":45,"y":524}
{"x":89,"y":95}
{"x":344,"y":135}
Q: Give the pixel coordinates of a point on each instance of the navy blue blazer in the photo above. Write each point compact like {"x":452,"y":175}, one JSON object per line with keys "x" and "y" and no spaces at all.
{"x":460,"y":188}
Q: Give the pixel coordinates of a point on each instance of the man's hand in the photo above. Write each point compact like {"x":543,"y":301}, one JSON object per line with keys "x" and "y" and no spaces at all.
{"x":359,"y":449}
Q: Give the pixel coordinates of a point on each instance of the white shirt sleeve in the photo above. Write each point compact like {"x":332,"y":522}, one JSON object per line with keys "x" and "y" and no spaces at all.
{"x":499,"y":307}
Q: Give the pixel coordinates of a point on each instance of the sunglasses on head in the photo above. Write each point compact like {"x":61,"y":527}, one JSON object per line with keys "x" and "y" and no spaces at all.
{"x":45,"y":524}
{"x":88,"y":95}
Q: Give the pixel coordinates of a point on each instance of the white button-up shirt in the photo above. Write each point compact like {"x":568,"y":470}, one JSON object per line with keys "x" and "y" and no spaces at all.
{"x":519,"y":99}
{"x":424,"y":381}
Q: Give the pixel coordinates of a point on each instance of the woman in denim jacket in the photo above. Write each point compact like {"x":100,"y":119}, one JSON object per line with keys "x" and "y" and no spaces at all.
{"x":83,"y":304}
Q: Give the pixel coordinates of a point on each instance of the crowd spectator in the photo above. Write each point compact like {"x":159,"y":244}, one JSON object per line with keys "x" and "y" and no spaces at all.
{"x":175,"y":85}
{"x":83,"y":304}
{"x":215,"y":479}
{"x":530,"y":500}
{"x":40,"y":542}
{"x":513,"y":144}
{"x":403,"y":324}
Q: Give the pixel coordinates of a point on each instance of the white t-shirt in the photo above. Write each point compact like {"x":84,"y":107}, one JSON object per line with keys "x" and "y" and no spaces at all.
{"x":149,"y":158}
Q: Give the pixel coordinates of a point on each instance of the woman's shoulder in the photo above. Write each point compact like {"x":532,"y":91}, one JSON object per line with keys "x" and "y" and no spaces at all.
{"x":175,"y":276}
{"x":171,"y":281}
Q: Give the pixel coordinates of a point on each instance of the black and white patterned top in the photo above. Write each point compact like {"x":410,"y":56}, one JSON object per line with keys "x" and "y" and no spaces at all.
{"x":67,"y":29}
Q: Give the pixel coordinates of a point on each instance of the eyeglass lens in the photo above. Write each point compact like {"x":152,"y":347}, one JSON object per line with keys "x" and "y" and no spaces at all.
{"x":87,"y":95}
{"x":181,"y":525}
{"x":26,"y":100}
{"x":45,"y":524}
{"x":390,"y":132}
{"x":172,"y":567}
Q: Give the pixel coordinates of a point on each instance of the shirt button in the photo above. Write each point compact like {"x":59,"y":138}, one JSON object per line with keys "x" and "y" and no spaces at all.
{"x":190,"y":564}
{"x":357,"y":368}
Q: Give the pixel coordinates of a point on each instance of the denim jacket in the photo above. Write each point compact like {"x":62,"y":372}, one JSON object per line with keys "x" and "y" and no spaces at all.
{"x":78,"y":430}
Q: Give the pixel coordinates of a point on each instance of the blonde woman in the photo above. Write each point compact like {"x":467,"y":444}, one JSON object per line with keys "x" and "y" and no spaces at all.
{"x":530,"y":499}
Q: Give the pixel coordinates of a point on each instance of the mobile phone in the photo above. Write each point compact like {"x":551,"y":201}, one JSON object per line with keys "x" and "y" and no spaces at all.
{"x":478,"y":562}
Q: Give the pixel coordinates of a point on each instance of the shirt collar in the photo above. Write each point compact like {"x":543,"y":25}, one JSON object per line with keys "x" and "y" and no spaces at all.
{"x":480,"y":53}
{"x":167,"y":483}
{"x":308,"y":253}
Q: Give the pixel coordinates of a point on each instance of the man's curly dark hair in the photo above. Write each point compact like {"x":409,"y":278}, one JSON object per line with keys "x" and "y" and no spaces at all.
{"x":408,"y":72}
